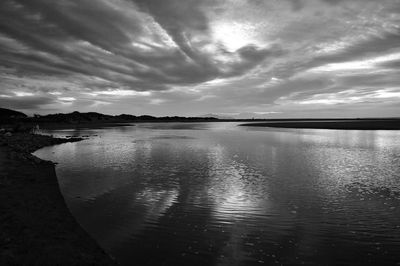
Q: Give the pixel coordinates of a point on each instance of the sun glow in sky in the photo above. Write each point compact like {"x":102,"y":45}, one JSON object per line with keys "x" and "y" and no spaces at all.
{"x":247,"y":58}
{"x":232,"y":35}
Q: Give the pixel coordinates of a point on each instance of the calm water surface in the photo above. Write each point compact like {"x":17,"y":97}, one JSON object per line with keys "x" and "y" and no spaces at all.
{"x":219,"y":194}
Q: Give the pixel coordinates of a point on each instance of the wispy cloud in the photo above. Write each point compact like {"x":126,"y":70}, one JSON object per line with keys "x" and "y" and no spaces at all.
{"x":277,"y":58}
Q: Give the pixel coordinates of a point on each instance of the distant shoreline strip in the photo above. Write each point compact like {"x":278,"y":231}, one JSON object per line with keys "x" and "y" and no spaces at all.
{"x":373,"y":124}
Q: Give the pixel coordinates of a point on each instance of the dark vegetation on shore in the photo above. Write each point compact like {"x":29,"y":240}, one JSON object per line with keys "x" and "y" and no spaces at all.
{"x":8,"y":113}
{"x":26,"y":143}
{"x":344,"y":124}
{"x":77,"y":117}
{"x":17,"y":121}
{"x":97,"y":118}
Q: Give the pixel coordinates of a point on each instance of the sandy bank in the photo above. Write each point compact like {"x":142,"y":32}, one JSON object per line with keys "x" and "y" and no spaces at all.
{"x":362,"y":124}
{"x":36,"y":227}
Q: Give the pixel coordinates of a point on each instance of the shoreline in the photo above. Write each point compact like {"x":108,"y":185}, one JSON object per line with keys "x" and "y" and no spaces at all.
{"x":340,"y":124}
{"x":36,"y":226}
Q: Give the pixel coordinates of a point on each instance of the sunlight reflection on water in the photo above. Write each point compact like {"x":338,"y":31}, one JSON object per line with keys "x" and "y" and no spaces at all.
{"x":218,"y":194}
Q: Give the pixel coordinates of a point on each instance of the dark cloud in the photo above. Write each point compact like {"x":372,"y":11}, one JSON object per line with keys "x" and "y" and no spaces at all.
{"x":297,"y":4}
{"x":179,"y":18}
{"x":367,"y":48}
{"x":380,"y":80}
{"x":66,"y":37}
{"x":25,"y":103}
{"x":370,"y":46}
{"x":333,"y":2}
{"x":391,"y":64}
{"x":220,"y":52}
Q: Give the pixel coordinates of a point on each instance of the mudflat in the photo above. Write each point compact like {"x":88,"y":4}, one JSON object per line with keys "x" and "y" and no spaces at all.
{"x":344,"y":124}
{"x":36,"y":227}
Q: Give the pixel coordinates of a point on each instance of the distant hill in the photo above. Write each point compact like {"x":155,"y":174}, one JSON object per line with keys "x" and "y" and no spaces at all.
{"x":92,"y":117}
{"x":10,"y":118}
{"x":8,"y":114}
{"x":74,"y":117}
{"x":217,"y":116}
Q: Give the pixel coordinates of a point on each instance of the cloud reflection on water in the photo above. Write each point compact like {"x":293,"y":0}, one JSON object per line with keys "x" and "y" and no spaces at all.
{"x":228,"y":195}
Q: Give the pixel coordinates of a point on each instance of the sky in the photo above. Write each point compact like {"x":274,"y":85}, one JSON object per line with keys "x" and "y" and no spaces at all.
{"x":233,"y":58}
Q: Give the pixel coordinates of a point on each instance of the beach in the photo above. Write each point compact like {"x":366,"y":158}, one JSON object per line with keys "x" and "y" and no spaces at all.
{"x":342,"y":124}
{"x":36,"y":227}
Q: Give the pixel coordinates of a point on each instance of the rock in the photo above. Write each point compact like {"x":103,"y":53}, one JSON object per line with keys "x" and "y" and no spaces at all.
{"x":8,"y":134}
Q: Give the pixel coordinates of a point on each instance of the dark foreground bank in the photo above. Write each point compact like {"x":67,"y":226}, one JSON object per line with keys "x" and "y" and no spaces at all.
{"x":36,"y":227}
{"x":346,"y":124}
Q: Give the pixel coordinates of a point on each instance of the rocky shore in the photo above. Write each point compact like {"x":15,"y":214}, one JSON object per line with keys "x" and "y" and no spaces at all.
{"x":36,"y":227}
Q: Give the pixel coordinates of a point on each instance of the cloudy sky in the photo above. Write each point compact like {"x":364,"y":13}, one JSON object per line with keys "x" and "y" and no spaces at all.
{"x":238,"y":58}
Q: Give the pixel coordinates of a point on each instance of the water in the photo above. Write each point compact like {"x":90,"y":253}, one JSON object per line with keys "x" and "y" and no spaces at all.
{"x":219,"y":194}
